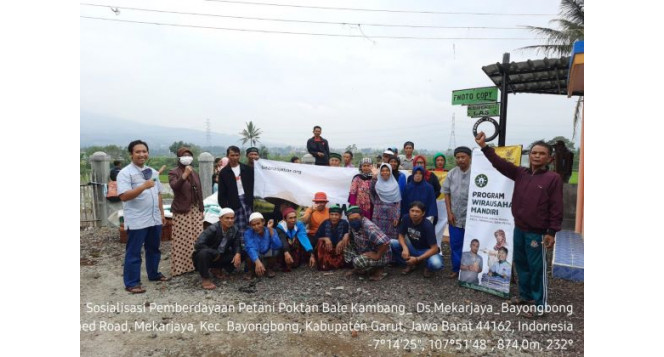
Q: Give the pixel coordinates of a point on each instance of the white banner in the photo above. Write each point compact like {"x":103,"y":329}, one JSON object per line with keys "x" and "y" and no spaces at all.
{"x":489,"y":220}
{"x":441,"y":225}
{"x":299,"y":182}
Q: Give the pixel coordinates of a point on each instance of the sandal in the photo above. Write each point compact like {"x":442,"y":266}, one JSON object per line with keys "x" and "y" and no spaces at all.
{"x":409,"y":269}
{"x":162,"y":278}
{"x":377,"y":275}
{"x":427,"y":273}
{"x":135,"y":289}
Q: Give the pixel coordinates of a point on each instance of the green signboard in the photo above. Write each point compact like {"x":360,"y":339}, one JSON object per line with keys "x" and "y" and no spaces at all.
{"x":475,"y":95}
{"x":484,"y":110}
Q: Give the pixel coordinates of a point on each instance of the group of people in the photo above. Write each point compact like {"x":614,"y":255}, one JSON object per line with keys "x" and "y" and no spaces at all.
{"x":391,"y":218}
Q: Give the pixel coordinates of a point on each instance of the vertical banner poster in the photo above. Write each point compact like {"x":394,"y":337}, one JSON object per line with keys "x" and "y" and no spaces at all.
{"x":486,"y":260}
{"x":298,"y":183}
{"x":442,"y":211}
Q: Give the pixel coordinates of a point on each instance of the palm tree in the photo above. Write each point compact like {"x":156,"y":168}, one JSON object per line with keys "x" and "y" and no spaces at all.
{"x":250,"y":134}
{"x":560,"y":41}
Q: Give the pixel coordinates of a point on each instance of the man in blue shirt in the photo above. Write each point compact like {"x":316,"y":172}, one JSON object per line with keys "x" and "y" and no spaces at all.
{"x":417,"y":242}
{"x":140,"y":191}
{"x":262,"y":245}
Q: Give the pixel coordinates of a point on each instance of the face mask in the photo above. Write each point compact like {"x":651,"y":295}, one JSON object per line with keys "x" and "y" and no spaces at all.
{"x":356,"y":224}
{"x":186,"y":160}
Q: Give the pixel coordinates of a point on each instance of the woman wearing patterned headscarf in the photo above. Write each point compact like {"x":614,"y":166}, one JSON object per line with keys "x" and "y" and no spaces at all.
{"x":187,"y":208}
{"x":360,"y":189}
{"x":386,"y":197}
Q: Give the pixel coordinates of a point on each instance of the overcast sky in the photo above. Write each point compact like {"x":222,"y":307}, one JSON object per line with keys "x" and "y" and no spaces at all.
{"x":368,"y":91}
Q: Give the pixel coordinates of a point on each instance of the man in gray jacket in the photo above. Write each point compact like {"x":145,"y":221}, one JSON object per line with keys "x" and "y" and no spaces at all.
{"x":455,"y":189}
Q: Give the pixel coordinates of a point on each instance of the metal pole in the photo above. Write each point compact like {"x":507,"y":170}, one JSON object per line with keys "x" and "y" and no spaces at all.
{"x":503,"y":99}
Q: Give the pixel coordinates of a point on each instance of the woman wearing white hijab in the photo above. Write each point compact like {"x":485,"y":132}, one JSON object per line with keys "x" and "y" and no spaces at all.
{"x":386,"y":197}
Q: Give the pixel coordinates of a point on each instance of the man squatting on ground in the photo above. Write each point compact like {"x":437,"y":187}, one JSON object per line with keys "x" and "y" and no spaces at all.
{"x":263,"y":246}
{"x":369,"y":248}
{"x":296,"y":245}
{"x":417,"y":242}
{"x":537,"y":207}
{"x":333,"y":237}
{"x":218,"y":247}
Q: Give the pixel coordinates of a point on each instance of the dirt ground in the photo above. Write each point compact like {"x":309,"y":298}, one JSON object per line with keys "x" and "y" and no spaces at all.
{"x":116,"y":323}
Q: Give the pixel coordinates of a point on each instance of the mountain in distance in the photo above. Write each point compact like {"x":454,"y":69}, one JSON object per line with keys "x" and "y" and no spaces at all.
{"x":101,"y":130}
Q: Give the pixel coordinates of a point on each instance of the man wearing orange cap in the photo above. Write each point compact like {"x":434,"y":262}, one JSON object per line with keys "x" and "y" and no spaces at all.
{"x":315,"y":215}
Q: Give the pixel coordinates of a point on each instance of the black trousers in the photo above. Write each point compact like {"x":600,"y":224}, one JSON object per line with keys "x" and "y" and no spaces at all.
{"x":207,"y":258}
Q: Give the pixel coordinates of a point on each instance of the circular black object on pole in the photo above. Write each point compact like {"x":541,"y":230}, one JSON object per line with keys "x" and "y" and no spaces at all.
{"x":490,"y":120}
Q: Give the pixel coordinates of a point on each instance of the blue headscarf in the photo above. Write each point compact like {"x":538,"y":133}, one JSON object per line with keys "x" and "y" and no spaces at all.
{"x":419,"y":191}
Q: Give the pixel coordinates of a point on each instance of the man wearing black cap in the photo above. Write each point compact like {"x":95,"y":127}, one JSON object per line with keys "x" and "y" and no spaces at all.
{"x":455,"y":188}
{"x":319,"y":148}
{"x":252,"y":155}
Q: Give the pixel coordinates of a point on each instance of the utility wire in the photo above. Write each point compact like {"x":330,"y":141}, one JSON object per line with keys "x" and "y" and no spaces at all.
{"x":307,"y":21}
{"x":381,"y":10}
{"x":309,"y":33}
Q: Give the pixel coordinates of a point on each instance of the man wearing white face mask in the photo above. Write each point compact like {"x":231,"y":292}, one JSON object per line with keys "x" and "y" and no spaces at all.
{"x":187,"y":208}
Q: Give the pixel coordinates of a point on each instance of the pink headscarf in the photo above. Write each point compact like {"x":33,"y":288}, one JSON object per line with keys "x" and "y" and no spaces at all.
{"x":224,"y":162}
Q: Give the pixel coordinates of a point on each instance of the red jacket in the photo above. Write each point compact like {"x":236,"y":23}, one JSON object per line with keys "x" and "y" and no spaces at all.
{"x":537,"y":202}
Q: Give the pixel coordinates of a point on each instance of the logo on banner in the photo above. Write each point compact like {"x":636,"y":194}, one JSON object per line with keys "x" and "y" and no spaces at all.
{"x":481,"y":180}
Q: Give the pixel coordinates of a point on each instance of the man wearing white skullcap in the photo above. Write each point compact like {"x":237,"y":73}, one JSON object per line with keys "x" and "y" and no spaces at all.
{"x":217,"y":248}
{"x":262,"y":245}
